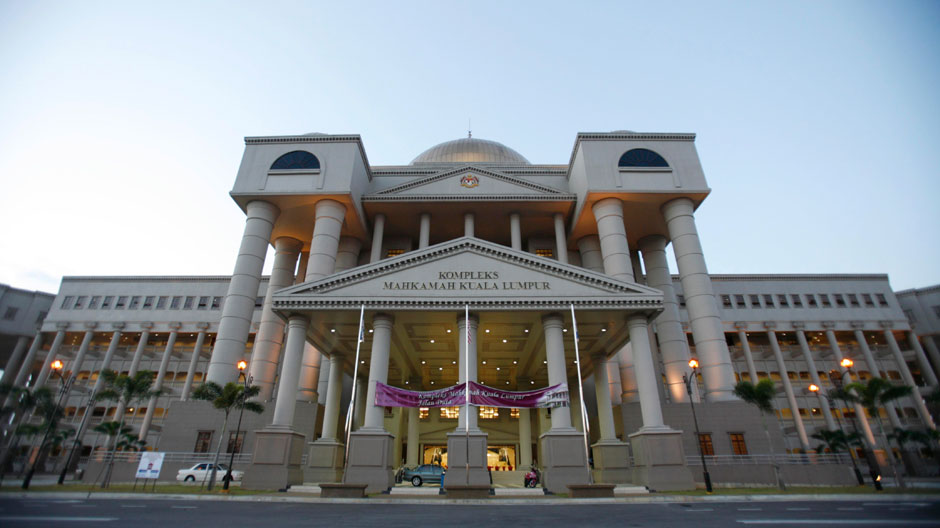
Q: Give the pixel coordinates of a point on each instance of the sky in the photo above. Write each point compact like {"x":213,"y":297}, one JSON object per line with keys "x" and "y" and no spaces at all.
{"x":122,"y":123}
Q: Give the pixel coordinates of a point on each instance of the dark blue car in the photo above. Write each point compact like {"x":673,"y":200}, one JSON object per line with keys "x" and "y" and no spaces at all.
{"x":431,"y":473}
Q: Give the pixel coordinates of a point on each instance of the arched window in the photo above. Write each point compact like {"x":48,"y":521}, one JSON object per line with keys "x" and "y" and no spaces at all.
{"x":298,"y":159}
{"x":641,"y":157}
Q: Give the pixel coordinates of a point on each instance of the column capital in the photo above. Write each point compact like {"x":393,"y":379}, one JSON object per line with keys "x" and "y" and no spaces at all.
{"x":652,"y":243}
{"x":553,"y":319}
{"x":858,"y":325}
{"x":828,"y":325}
{"x":91,"y":325}
{"x":474,"y":319}
{"x":740,"y":325}
{"x":770,"y":325}
{"x":798,"y":325}
{"x":62,"y":326}
{"x":202,"y":326}
{"x":286,"y":244}
{"x":297,"y":319}
{"x":599,"y":355}
{"x":174,"y":326}
{"x":383,"y":319}
{"x":677,"y":207}
{"x":886,"y":324}
{"x":117,"y":326}
{"x":262,"y":209}
{"x":147,"y":325}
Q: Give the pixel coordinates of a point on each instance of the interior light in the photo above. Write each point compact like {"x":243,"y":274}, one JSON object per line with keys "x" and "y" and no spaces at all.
{"x":497,"y":368}
{"x":432,"y":383}
{"x":440,"y":368}
{"x":507,"y":383}
{"x":527,"y":330}
{"x":432,"y":340}
{"x":370,"y":330}
{"x":544,"y":361}
{"x":423,"y":362}
{"x":332,"y":330}
{"x":487,"y":330}
{"x":531,"y":382}
{"x":504,"y":340}
{"x":603,"y":329}
{"x":484,"y":362}
{"x":363,"y":362}
{"x":453,"y":362}
{"x":514,"y":362}
{"x":564,"y":330}
{"x":448,"y":330}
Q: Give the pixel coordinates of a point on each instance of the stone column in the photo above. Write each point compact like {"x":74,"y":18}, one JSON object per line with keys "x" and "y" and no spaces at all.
{"x":27,"y":366}
{"x":552,"y":325}
{"x":362,"y":394}
{"x":873,"y":367}
{"x":51,"y":355}
{"x":462,"y":364}
{"x":925,"y":368}
{"x":907,"y":377}
{"x":673,"y":344}
{"x":141,"y":345}
{"x":347,"y":254}
{"x":645,"y":374}
{"x":158,"y":385}
{"x":525,"y":440}
{"x":378,"y":232}
{"x":309,"y":374}
{"x":787,"y":386}
{"x":933,"y":351}
{"x":424,"y":233}
{"x":239,"y":305}
{"x":700,"y":302}
{"x":371,"y":447}
{"x":290,"y":375}
{"x":611,"y":456}
{"x":334,"y":394}
{"x":628,"y":388}
{"x":746,"y":347}
{"x":9,"y":371}
{"x":613,"y":239}
{"x":859,"y":410}
{"x":561,"y":242}
{"x":194,"y":362}
{"x":412,"y":458}
{"x":590,"y":249}
{"x":824,"y":402}
{"x":515,"y":231}
{"x":270,"y":336}
{"x":108,"y":356}
{"x":76,"y":365}
{"x":468,"y":222}
{"x":605,"y":411}
{"x":324,"y":243}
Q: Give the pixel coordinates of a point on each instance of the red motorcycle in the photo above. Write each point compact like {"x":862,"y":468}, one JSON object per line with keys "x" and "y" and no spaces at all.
{"x":533,"y":478}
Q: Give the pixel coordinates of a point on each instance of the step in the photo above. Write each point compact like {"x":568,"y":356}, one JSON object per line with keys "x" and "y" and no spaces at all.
{"x":519,"y":492}
{"x":304,"y":488}
{"x":625,"y":489}
{"x":415,"y":490}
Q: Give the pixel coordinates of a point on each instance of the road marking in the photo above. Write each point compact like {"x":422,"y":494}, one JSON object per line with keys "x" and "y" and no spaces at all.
{"x":750,"y":509}
{"x":56,"y":519}
{"x":797,"y":509}
{"x":902,"y":509}
{"x":879,"y":522}
{"x":184,"y":507}
{"x":133,"y":506}
{"x":698,"y":509}
{"x":850,"y":509}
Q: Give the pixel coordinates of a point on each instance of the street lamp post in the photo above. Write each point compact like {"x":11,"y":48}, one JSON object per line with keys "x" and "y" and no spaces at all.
{"x":858,"y":473}
{"x":693,"y":364}
{"x":63,"y":390}
{"x":837,"y":379}
{"x":242,"y":365}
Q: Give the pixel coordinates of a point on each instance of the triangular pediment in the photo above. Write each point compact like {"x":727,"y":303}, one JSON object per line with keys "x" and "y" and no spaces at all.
{"x":468,"y":271}
{"x":469,"y":183}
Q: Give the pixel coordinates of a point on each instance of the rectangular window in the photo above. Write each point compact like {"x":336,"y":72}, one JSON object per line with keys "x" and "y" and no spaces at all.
{"x":489,"y":413}
{"x":726,"y":301}
{"x":148,"y":302}
{"x":768,"y":301}
{"x":811,"y":301}
{"x":188,"y":303}
{"x":825,"y":300}
{"x":514,"y":413}
{"x":66,"y":302}
{"x":176,"y":302}
{"x":910,"y":316}
{"x":868,"y":300}
{"x":782,"y":301}
{"x":936,"y":311}
{"x":121,"y":303}
{"x":216,"y":303}
{"x":93,"y":303}
{"x":259,"y":303}
{"x":738,"y":446}
{"x":681,"y":300}
{"x":10,"y":313}
{"x":545,"y":252}
{"x":203,"y":442}
{"x":394,"y":252}
{"x":40,"y":317}
{"x":882,"y":300}
{"x":739,"y":301}
{"x":755,"y":301}
{"x":161,"y":302}
{"x":705,"y":444}
{"x":80,"y":302}
{"x":797,"y":300}
{"x":853,"y":300}
{"x":203,"y":303}
{"x":840,"y":300}
{"x":423,"y":413}
{"x":235,"y":441}
{"x":135,"y":302}
{"x":106,"y":303}
{"x":450,"y":413}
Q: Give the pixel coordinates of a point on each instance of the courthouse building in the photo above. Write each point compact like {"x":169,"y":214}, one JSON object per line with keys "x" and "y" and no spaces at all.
{"x":471,"y":262}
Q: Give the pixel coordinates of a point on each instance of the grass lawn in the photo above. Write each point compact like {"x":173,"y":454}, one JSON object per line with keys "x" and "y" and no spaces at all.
{"x":802,"y":490}
{"x":168,"y":487}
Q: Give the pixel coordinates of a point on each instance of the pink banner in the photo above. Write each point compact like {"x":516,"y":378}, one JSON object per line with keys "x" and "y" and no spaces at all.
{"x":480,"y":395}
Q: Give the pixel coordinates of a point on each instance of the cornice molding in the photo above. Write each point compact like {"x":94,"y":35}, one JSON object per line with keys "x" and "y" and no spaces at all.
{"x":467,"y":168}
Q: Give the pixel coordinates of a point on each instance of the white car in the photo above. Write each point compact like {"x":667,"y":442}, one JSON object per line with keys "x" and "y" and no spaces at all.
{"x":201,"y":473}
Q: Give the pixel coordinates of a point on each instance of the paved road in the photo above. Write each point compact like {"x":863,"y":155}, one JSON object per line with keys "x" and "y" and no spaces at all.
{"x":53,"y":512}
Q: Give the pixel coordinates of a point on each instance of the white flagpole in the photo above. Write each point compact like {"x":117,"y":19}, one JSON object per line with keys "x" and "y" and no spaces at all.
{"x":584,"y":420}
{"x":350,"y":413}
{"x":466,"y":358}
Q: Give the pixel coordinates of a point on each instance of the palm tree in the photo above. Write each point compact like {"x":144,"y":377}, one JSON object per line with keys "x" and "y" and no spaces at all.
{"x":875,"y":393}
{"x":902,"y":437}
{"x":762,"y":396}
{"x":835,"y":441}
{"x":127,"y":391}
{"x":232,"y":396}
{"x":46,"y":406}
{"x":23,"y":401}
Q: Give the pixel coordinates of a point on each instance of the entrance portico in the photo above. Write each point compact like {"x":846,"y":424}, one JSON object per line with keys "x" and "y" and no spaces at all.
{"x":415,"y":337}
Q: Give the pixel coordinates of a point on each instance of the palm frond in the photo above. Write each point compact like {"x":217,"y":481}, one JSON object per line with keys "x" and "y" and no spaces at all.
{"x":761,"y":395}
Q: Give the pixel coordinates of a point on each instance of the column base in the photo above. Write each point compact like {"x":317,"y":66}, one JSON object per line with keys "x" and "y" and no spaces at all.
{"x":611,"y":462}
{"x":275,"y":461}
{"x":659,"y":460}
{"x":324,"y":461}
{"x":457,"y":451}
{"x":563,"y":460}
{"x":370,"y":460}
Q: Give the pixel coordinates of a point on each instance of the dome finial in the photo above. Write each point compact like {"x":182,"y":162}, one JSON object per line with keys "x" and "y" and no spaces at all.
{"x":469,"y":130}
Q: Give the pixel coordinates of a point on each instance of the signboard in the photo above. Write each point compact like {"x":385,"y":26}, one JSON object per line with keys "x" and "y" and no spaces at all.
{"x":554,"y":396}
{"x":150,"y":464}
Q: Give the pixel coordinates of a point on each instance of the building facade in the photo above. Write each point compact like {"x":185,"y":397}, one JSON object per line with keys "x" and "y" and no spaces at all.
{"x":471,"y":263}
